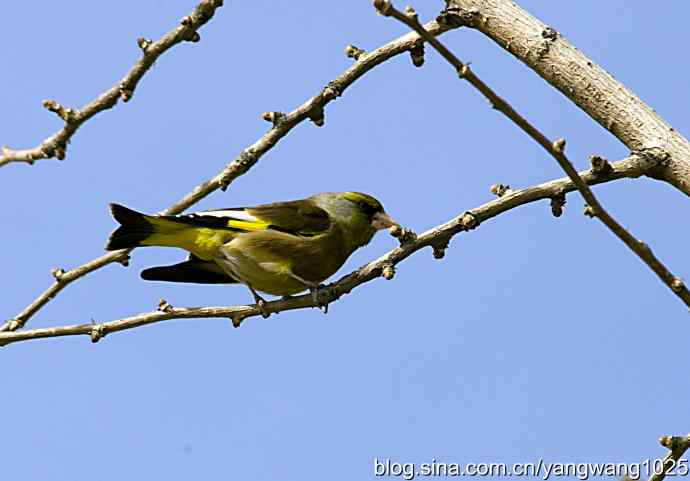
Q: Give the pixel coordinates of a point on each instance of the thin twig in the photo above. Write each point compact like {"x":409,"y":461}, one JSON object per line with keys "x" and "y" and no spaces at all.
{"x":555,"y":149}
{"x":677,"y":445}
{"x":437,"y":238}
{"x":56,"y":144}
{"x":282,"y":125}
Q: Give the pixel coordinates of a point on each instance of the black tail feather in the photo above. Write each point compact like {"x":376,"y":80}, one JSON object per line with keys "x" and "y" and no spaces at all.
{"x":134,"y":229}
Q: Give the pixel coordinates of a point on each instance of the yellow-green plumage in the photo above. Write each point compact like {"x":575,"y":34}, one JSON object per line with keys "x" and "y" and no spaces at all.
{"x":281,"y":248}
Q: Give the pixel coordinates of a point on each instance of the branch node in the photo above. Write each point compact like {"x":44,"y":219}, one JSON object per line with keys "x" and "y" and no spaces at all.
{"x":97,"y":332}
{"x":237,"y":319}
{"x":600,"y":166}
{"x":353,"y":52}
{"x":677,"y":285}
{"x":417,"y":54}
{"x":644,"y":246}
{"x":499,"y":190}
{"x":164,"y":306}
{"x":14,"y":324}
{"x":439,"y":248}
{"x":274,"y":117}
{"x":453,"y":17}
{"x":464,"y":71}
{"x":124,"y":261}
{"x":403,"y":234}
{"x":247,"y":158}
{"x":590,"y":211}
{"x":193,"y":37}
{"x":549,"y":33}
{"x":559,"y":146}
{"x":317,"y":116}
{"x":383,"y":7}
{"x":144,"y":43}
{"x":675,"y":443}
{"x":557,"y":204}
{"x":65,"y":113}
{"x":57,"y":273}
{"x":388,"y":271}
{"x":59,"y":153}
{"x":469,"y":221}
{"x":186,"y":21}
{"x":331,"y":91}
{"x":125,"y":92}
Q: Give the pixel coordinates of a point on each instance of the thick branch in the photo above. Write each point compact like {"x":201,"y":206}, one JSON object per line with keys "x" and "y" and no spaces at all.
{"x":595,"y":91}
{"x":555,"y":149}
{"x":56,"y":144}
{"x":282,"y":125}
{"x":437,"y":238}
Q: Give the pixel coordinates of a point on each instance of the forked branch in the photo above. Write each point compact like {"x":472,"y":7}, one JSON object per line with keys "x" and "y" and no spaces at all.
{"x":55,"y":146}
{"x":555,"y":148}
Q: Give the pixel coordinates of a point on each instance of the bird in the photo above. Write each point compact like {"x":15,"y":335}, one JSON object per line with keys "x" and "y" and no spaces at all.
{"x":280,"y":248}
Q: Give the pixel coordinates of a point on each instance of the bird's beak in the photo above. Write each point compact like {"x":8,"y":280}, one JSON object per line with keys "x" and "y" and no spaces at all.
{"x":382,"y":220}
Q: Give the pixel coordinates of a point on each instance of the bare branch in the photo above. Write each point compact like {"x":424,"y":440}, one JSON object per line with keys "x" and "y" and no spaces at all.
{"x":556,"y":149}
{"x":677,"y":445}
{"x":436,"y":238}
{"x":590,"y":87}
{"x":56,"y":144}
{"x":282,"y":125}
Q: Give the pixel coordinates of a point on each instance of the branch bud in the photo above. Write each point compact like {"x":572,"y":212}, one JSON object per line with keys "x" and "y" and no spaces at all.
{"x":417,"y":54}
{"x":411,"y":14}
{"x":600,"y":166}
{"x":559,"y":145}
{"x":57,"y":273}
{"x":317,"y":116}
{"x":388,"y":272}
{"x":469,"y":221}
{"x":557,"y":204}
{"x":353,"y":52}
{"x":499,"y":190}
{"x":383,"y":7}
{"x":144,"y":43}
{"x":403,"y":234}
{"x":274,"y":117}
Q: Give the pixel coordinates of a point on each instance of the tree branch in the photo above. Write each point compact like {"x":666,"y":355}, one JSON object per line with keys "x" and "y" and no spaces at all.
{"x":677,"y":445}
{"x":556,"y":149}
{"x":56,"y":144}
{"x":590,"y":87}
{"x":437,"y":238}
{"x":282,"y":125}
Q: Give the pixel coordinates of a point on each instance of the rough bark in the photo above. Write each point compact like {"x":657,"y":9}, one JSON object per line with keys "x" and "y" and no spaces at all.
{"x":589,"y":86}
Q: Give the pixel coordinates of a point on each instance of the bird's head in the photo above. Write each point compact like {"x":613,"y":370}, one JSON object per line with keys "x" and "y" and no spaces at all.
{"x":370,"y":208}
{"x":359,"y":215}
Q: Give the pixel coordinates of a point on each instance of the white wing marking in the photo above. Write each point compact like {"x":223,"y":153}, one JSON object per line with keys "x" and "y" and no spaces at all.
{"x":230,"y":213}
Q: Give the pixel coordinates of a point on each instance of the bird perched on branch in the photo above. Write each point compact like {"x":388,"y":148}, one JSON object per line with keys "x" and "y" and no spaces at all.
{"x":281,"y":248}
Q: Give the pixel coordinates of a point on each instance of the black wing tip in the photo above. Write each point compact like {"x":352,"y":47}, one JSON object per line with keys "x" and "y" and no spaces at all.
{"x":187,"y":272}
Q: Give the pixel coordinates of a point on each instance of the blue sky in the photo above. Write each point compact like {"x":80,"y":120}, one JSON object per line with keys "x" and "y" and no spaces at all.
{"x":534,"y":337}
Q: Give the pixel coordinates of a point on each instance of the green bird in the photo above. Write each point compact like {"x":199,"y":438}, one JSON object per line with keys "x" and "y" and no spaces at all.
{"x":281,"y":248}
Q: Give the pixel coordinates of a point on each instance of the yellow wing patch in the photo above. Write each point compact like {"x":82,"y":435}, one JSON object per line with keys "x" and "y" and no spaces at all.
{"x":247,"y":225}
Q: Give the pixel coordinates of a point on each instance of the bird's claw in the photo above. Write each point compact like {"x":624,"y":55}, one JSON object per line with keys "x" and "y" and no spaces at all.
{"x":261,"y":304}
{"x":316,"y":296}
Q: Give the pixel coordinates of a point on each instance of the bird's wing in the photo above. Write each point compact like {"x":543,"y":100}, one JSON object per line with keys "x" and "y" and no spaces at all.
{"x":298,"y":217}
{"x":192,"y":270}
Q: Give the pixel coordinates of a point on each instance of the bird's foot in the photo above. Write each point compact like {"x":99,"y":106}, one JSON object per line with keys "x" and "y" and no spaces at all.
{"x":318,"y":297}
{"x":260,"y":304}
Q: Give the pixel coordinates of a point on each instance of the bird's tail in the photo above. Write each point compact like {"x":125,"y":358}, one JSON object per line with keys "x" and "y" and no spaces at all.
{"x":139,"y":229}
